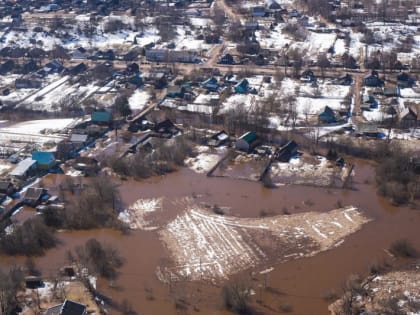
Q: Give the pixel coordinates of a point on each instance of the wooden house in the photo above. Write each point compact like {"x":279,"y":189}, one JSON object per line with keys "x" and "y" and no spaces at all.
{"x":67,"y":308}
{"x":373,"y":80}
{"x":33,"y":196}
{"x":404,"y":80}
{"x":6,"y":188}
{"x":328,"y":116}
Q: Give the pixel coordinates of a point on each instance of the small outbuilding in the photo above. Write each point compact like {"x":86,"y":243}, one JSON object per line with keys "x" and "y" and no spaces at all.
{"x":247,"y":141}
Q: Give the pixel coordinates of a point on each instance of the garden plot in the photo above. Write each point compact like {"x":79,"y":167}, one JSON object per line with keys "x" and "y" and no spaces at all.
{"x":303,"y":171}
{"x":140,"y":214}
{"x":207,"y":246}
{"x":242,"y":166}
{"x":205,"y":160}
{"x":40,"y":132}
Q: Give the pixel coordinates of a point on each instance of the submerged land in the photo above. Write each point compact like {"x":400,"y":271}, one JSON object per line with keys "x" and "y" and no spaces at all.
{"x":221,"y":157}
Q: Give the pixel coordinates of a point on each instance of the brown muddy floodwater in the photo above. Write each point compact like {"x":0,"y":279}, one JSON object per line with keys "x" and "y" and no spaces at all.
{"x":300,"y":283}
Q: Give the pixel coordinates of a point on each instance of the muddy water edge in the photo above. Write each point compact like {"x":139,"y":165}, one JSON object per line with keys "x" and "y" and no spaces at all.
{"x":299,"y":283}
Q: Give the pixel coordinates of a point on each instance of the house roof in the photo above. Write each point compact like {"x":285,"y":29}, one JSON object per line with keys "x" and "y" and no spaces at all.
{"x":101,"y":116}
{"x":43,"y":157}
{"x":72,"y":308}
{"x":22,"y":167}
{"x":249,"y":137}
{"x":34,"y":193}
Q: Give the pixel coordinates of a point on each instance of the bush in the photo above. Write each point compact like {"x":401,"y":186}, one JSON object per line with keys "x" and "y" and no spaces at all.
{"x":30,"y":239}
{"x":403,"y":248}
{"x":236,"y":298}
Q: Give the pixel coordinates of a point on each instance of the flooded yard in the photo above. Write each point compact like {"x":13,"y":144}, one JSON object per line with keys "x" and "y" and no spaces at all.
{"x":175,"y":229}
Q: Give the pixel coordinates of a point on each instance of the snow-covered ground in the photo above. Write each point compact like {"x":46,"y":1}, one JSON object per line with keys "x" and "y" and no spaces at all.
{"x":139,"y":99}
{"x":137,"y":216}
{"x":204,"y":245}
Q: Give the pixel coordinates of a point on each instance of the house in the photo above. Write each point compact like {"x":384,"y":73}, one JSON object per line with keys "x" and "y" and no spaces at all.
{"x":247,"y":141}
{"x":101,"y":117}
{"x":167,"y":127}
{"x":45,"y":160}
{"x":373,"y":80}
{"x":227,"y":59}
{"x":404,"y":80}
{"x":78,"y":69}
{"x":242,"y":87}
{"x":157,"y":79}
{"x":175,"y":91}
{"x":273,"y":5}
{"x":165,"y":55}
{"x":410,"y":116}
{"x":53,"y":67}
{"x":327,"y":116}
{"x":34,"y":196}
{"x":29,"y":67}
{"x":79,"y":54}
{"x":369,"y":102}
{"x":27,"y":84}
{"x":211,"y":84}
{"x":218,"y":139}
{"x":24,"y":169}
{"x":258,"y":11}
{"x":287,"y":151}
{"x":105,"y":55}
{"x":67,"y":308}
{"x":7,"y":66}
{"x":6,"y":188}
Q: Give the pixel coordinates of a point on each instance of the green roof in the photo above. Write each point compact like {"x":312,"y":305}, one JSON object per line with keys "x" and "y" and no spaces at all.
{"x":101,"y":116}
{"x":249,"y":137}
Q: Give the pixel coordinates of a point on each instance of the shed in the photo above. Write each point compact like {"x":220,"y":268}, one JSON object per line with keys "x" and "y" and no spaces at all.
{"x":404,"y":80}
{"x":287,"y":151}
{"x":44,"y":159}
{"x":78,"y":138}
{"x":6,"y":187}
{"x":24,"y":169}
{"x":175,"y":91}
{"x":33,"y":282}
{"x":218,"y":139}
{"x":33,"y":196}
{"x":102,"y":117}
{"x":211,"y":84}
{"x":227,"y":59}
{"x":27,"y":84}
{"x":242,"y":87}
{"x":247,"y":141}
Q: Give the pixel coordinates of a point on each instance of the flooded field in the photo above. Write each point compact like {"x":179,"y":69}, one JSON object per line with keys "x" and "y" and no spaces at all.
{"x":161,"y":205}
